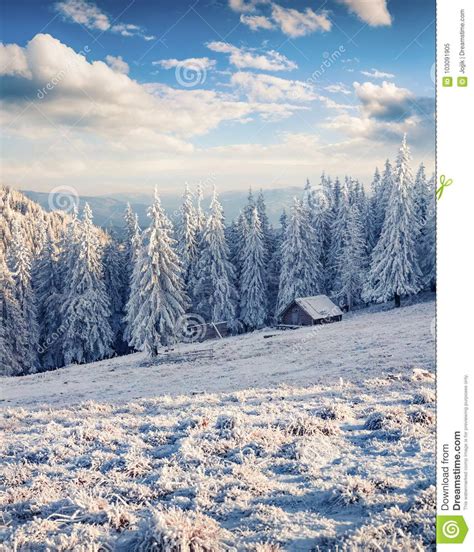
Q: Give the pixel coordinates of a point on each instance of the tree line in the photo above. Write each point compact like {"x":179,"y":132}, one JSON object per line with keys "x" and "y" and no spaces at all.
{"x":70,"y":293}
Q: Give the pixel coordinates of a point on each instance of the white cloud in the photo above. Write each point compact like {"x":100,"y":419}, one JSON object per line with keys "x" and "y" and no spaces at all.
{"x":101,"y":131}
{"x":90,"y":16}
{"x":267,"y":88}
{"x":386,"y":112}
{"x":61,"y":89}
{"x":117,"y":64}
{"x":203,"y":63}
{"x":256,"y":22}
{"x":294,"y":23}
{"x":288,"y":162}
{"x":13,"y":61}
{"x":84,"y":13}
{"x":338,"y":89}
{"x":331,"y":104}
{"x":244,"y":58}
{"x":373,"y":12}
{"x":385,"y":101}
{"x":376,"y":74}
{"x":243,"y":6}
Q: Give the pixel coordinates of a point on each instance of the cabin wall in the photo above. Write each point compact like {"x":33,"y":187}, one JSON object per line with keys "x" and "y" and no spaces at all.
{"x":328,"y":320}
{"x":212,"y":334}
{"x":296,"y":316}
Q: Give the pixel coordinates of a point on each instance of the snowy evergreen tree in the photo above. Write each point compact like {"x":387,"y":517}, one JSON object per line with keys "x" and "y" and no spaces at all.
{"x":215,"y":290}
{"x":69,"y":249}
{"x":338,"y":231}
{"x":301,"y":271}
{"x":47,"y":286}
{"x":232,"y":236}
{"x":132,"y":238}
{"x":115,"y":279}
{"x":352,"y":264}
{"x":373,"y":211}
{"x":283,"y":221}
{"x":21,"y":268}
{"x":274,"y":268}
{"x":253,"y":284}
{"x":240,"y":237}
{"x":187,"y":232}
{"x":133,"y":244}
{"x":336,"y":195}
{"x":331,"y":199}
{"x":249,"y":207}
{"x":15,"y":344}
{"x":200,"y":216}
{"x":267,"y":230}
{"x":380,"y":200}
{"x":428,"y":239}
{"x":86,"y":306}
{"x":421,"y":194}
{"x":394,"y":270}
{"x":39,"y":237}
{"x":318,"y":213}
{"x":157,"y":300}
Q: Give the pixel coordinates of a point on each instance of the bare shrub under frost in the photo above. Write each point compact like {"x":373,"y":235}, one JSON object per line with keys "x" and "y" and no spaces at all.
{"x":306,"y":425}
{"x":424,"y":396}
{"x":174,"y":530}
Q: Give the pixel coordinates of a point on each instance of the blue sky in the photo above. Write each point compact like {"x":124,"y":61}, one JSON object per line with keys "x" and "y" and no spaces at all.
{"x":122,"y":96}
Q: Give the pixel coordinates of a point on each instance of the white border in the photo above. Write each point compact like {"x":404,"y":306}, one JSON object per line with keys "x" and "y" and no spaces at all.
{"x":455,"y":246}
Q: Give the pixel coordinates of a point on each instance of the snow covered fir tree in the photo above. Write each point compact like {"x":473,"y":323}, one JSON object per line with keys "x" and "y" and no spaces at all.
{"x":72,"y":293}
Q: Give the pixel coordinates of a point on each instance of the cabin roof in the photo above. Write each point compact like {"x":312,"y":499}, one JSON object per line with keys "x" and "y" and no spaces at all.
{"x":318,"y":306}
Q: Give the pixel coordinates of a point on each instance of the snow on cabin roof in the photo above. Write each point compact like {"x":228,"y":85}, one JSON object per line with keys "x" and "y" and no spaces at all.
{"x":319,"y":306}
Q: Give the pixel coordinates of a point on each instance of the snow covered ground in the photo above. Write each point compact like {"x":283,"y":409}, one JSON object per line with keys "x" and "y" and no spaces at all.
{"x":368,"y":343}
{"x":260,"y":448}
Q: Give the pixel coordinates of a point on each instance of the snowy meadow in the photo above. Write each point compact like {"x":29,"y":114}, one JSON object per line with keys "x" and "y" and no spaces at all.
{"x":268,"y":470}
{"x":301,"y":465}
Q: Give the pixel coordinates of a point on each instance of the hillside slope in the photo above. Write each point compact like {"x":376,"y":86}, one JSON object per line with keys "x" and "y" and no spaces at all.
{"x":364,"y":345}
{"x":289,"y":458}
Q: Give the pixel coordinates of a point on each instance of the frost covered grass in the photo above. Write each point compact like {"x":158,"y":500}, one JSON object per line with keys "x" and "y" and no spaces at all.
{"x":287,"y":468}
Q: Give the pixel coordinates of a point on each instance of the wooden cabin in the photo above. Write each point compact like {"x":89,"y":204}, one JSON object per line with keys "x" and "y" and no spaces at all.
{"x":308,"y":311}
{"x":202,"y":332}
{"x":216,"y":330}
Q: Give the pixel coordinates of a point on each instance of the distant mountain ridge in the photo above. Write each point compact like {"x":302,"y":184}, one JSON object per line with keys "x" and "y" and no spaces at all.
{"x":108,"y":209}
